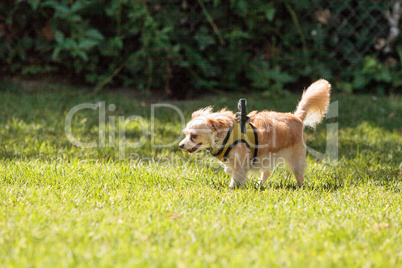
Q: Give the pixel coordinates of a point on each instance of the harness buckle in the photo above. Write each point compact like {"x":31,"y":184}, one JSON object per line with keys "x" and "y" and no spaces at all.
{"x":241,"y":114}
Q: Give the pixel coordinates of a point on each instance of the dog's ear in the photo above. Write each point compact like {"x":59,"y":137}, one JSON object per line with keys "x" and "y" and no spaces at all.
{"x":218,"y":124}
{"x":202,"y":111}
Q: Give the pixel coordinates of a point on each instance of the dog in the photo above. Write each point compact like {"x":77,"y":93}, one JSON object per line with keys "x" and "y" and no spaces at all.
{"x":281,"y":138}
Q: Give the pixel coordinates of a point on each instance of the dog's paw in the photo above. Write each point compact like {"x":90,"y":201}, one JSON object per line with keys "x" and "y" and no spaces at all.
{"x":235,"y":184}
{"x":259,"y":186}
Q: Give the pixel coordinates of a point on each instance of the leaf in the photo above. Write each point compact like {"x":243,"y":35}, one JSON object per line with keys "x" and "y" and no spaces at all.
{"x":346,"y":87}
{"x":59,"y":37}
{"x":56,"y":53}
{"x":94,"y":34}
{"x":134,"y":30}
{"x":360,"y":81}
{"x":167,"y":29}
{"x":204,"y":39}
{"x":76,"y":6}
{"x":69,"y":44}
{"x":61,"y":10}
{"x":33,"y":3}
{"x":184,"y":64}
{"x":80,"y":53}
{"x":277,"y":75}
{"x":370,"y":65}
{"x":112,"y":47}
{"x":26,"y":42}
{"x":384,"y":75}
{"x":197,"y":59}
{"x":270,"y":14}
{"x":176,"y":49}
{"x":216,"y":3}
{"x":242,"y":8}
{"x":258,"y":73}
{"x":323,"y":16}
{"x":237,"y":34}
{"x":75,"y":18}
{"x":87,"y":44}
{"x":263,"y":77}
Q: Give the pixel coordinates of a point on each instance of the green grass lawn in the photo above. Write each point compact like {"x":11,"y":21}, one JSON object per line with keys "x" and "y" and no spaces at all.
{"x":65,"y":206}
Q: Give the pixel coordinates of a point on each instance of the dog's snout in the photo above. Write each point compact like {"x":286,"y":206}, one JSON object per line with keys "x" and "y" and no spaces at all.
{"x":181,"y":145}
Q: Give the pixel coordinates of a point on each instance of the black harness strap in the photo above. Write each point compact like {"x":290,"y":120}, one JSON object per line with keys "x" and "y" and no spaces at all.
{"x":240,"y":128}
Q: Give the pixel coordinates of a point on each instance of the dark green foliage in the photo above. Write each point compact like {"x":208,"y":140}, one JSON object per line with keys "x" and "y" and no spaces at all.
{"x":181,"y":46}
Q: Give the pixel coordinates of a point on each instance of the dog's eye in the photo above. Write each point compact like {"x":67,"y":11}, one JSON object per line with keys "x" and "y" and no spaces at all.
{"x":193,"y":136}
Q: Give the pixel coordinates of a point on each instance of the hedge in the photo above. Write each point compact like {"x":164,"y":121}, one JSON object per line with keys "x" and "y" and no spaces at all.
{"x":182,"y":47}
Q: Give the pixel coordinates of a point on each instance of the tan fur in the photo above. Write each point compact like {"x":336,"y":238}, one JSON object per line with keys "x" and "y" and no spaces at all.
{"x":203,"y":111}
{"x":276,"y":131}
{"x":314,"y":103}
{"x":280,"y":135}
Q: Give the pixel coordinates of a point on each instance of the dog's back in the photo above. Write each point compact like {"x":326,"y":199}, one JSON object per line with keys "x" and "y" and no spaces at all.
{"x":276,"y":131}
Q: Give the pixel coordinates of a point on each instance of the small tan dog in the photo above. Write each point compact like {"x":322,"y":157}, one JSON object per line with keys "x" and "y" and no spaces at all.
{"x":280,"y":136}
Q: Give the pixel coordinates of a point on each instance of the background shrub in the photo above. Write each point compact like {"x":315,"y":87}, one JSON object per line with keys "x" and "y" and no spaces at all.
{"x":181,"y":47}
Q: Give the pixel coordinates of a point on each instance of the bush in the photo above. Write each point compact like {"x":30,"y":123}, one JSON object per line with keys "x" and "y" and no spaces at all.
{"x":179,"y":46}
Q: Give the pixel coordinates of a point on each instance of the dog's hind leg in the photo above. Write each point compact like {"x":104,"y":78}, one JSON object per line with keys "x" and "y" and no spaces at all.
{"x":297,"y":164}
{"x":239,"y":178}
{"x":264,"y":177}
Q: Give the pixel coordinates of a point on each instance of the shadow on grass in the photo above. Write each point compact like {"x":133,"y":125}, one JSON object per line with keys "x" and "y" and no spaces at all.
{"x":286,"y":183}
{"x":345,"y":175}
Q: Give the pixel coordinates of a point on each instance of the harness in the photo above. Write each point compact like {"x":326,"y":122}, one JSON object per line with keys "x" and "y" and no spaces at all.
{"x":241,"y":131}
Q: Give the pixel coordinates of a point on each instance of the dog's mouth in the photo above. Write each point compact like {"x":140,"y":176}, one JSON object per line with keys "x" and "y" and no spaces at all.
{"x":195,"y":148}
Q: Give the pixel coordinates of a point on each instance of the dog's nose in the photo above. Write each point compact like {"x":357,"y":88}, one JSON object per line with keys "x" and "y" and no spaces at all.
{"x":181,"y":145}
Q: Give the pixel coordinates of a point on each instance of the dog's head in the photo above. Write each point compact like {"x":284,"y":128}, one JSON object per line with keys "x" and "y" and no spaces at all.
{"x":206,"y":129}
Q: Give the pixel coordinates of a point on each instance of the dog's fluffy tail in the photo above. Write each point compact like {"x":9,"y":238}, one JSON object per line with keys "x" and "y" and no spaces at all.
{"x":314,"y":103}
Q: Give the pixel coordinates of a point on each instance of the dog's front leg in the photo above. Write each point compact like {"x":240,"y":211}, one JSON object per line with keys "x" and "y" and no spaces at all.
{"x":228,"y":171}
{"x":239,"y":178}
{"x":239,"y":162}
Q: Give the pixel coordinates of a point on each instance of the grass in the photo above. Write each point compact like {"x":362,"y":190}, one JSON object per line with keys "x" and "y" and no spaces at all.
{"x":65,"y":206}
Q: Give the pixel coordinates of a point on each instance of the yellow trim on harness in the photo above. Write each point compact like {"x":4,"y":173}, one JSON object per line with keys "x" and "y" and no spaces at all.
{"x":236,"y":136}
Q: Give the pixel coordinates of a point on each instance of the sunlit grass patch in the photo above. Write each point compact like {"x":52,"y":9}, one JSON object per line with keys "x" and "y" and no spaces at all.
{"x":65,"y":206}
